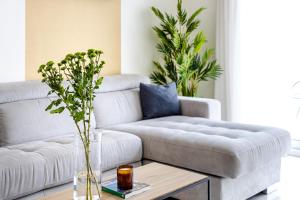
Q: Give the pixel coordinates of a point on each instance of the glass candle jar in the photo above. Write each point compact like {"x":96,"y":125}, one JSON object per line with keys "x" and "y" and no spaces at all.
{"x":125,"y":177}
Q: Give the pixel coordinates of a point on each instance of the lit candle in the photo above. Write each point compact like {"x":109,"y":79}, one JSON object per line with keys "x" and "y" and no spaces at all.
{"x":125,"y":176}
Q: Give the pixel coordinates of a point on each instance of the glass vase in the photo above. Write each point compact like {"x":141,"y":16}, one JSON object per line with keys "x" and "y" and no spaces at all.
{"x":87,"y":177}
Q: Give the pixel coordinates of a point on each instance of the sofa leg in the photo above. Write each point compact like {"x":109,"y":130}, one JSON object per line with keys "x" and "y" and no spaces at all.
{"x":271,"y":188}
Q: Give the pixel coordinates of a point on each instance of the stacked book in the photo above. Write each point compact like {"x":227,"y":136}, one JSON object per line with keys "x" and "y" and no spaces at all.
{"x":112,"y":188}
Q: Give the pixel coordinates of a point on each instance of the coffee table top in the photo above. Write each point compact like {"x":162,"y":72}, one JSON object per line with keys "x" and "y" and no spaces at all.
{"x":163,"y":180}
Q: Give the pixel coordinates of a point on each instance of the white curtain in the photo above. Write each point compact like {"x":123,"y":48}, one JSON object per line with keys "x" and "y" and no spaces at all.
{"x":259,"y":52}
{"x":227,"y":54}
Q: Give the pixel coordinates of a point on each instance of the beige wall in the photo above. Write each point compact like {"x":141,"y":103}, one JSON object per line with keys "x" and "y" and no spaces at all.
{"x":57,"y":27}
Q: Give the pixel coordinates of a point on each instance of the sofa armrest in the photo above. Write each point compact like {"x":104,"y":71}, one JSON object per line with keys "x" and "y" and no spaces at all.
{"x":200,"y":107}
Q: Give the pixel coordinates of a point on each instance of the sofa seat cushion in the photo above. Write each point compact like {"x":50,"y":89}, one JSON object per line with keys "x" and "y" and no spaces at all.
{"x":34,"y":166}
{"x":215,"y":147}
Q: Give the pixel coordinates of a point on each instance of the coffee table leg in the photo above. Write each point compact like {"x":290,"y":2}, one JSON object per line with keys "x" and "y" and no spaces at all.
{"x":208,"y":189}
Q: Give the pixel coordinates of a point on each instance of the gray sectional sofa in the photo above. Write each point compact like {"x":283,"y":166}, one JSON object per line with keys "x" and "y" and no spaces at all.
{"x":36,"y":148}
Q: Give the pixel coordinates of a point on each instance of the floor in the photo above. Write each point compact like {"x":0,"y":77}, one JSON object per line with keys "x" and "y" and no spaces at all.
{"x":289,"y":186}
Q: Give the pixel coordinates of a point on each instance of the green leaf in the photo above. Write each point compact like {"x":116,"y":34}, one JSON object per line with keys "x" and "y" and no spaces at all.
{"x":50,"y":63}
{"x":176,"y":40}
{"x":208,"y":54}
{"x":79,"y":116}
{"x":159,"y":67}
{"x":199,"y":41}
{"x":182,"y":14}
{"x":57,"y":102}
{"x":99,"y":81}
{"x":194,"y":15}
{"x":58,"y":110}
{"x":192,"y":27}
{"x":169,"y":25}
{"x":158,"y":78}
{"x":49,"y":107}
{"x":158,"y":13}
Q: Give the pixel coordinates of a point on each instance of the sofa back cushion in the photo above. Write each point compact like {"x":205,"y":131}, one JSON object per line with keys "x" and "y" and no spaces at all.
{"x":118,"y":100}
{"x":23,"y":117}
{"x":26,"y":121}
{"x":117,"y":107}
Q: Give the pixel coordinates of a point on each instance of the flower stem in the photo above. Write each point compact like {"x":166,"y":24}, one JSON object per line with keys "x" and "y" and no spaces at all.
{"x":90,"y":174}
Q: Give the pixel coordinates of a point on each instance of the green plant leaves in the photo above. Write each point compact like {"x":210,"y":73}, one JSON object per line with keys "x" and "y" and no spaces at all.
{"x":98,"y":83}
{"x":181,"y":14}
{"x":177,"y":40}
{"x":199,"y":41}
{"x":158,"y":13}
{"x":57,"y":110}
{"x":194,"y":15}
{"x":79,"y":116}
{"x":74,"y":81}
{"x":183,"y":60}
{"x":49,"y":107}
{"x":192,"y":27}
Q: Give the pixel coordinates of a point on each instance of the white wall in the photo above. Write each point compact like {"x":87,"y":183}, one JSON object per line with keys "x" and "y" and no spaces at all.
{"x":12,"y":40}
{"x":138,"y":40}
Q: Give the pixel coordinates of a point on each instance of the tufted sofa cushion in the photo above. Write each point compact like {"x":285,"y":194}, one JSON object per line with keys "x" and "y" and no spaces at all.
{"x":34,"y":166}
{"x":216,"y":147}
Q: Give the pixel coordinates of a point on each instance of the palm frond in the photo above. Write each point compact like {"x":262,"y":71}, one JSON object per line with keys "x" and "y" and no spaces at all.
{"x":194,"y":15}
{"x":199,"y":41}
{"x":196,"y":63}
{"x":171,"y":19}
{"x":181,"y":14}
{"x":176,"y":40}
{"x":168,"y":28}
{"x":192,"y":27}
{"x":171,"y":69}
{"x":208,"y":53}
{"x":164,"y":49}
{"x":161,"y":34}
{"x":158,"y":78}
{"x":158,"y":13}
{"x":211,"y":71}
{"x":165,"y":41}
{"x":159,"y":68}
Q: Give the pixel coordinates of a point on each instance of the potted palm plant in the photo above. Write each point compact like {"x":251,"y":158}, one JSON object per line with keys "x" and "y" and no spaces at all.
{"x":185,"y":61}
{"x":76,"y":94}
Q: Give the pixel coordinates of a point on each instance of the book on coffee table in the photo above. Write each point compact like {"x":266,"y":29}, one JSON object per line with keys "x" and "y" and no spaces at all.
{"x":112,"y":188}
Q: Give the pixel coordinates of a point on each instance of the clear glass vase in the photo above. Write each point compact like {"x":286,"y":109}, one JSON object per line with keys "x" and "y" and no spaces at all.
{"x":87,"y":177}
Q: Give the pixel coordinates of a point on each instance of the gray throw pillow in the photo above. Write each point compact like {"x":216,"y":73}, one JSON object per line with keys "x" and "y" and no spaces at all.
{"x":159,"y":100}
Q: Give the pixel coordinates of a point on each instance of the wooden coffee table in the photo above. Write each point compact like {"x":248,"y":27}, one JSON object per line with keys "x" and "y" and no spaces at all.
{"x":165,"y":181}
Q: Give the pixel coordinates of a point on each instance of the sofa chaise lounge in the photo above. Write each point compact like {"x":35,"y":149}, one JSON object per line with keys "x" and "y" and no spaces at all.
{"x":36,"y":148}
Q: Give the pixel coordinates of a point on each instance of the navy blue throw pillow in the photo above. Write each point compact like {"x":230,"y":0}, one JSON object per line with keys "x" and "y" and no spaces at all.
{"x":159,"y":100}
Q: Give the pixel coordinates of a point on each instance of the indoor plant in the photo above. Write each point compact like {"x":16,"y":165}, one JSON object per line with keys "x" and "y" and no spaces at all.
{"x":185,"y":61}
{"x":76,"y":94}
